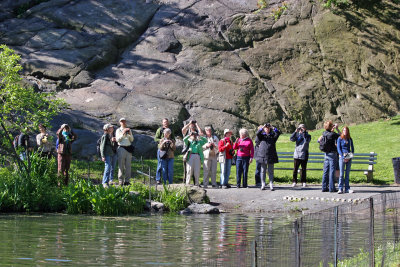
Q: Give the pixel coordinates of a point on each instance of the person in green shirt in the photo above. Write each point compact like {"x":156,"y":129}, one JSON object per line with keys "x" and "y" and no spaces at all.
{"x":159,"y":135}
{"x":195,"y":156}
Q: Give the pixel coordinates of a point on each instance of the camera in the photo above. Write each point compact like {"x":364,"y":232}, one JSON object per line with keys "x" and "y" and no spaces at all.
{"x":231,"y":152}
{"x":212,"y":146}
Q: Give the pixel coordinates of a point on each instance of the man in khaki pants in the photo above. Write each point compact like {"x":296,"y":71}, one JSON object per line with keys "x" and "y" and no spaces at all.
{"x":210,"y":150}
{"x":124,"y":138}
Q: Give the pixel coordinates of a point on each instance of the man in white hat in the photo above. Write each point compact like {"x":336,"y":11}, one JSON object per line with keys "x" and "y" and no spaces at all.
{"x":124,"y":138}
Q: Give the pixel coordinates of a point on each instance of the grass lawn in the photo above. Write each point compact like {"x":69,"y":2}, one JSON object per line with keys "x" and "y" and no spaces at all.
{"x":381,"y":137}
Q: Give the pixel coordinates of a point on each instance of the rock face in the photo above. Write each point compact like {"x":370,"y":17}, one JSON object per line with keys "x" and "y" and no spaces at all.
{"x":216,"y":61}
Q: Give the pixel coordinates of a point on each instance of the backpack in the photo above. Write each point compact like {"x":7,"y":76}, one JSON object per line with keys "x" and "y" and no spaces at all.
{"x":15,"y":142}
{"x":323,"y":143}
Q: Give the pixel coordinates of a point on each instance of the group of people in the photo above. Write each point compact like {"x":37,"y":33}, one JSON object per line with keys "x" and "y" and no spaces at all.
{"x":208,"y":150}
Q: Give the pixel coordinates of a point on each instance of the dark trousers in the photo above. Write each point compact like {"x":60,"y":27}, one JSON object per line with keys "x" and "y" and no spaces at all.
{"x":64,"y":163}
{"x":303,"y":164}
{"x":242,"y":168}
{"x":257,"y":174}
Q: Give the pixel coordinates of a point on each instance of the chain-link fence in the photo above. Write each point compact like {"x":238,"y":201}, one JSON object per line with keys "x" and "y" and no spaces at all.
{"x":362,"y":234}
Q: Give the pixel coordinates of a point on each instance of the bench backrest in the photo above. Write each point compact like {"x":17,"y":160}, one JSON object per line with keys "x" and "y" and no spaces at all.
{"x":318,"y":157}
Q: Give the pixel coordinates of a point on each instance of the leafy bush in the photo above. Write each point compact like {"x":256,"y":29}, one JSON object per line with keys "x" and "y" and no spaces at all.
{"x":35,"y":192}
{"x":174,"y":199}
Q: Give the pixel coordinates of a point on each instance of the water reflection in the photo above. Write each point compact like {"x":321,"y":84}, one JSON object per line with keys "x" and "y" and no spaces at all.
{"x":155,"y":240}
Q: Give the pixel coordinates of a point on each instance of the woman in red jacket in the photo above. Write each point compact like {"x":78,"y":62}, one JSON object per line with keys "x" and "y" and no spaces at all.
{"x":226,"y":153}
{"x":245,"y":153}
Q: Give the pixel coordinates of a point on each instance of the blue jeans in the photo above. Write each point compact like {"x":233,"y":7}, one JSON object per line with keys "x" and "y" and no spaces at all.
{"x":109,"y":167}
{"x":242,"y":168}
{"x":158,"y":171}
{"x":328,"y":176}
{"x":225,"y":171}
{"x":344,"y":181}
{"x":167,"y":166}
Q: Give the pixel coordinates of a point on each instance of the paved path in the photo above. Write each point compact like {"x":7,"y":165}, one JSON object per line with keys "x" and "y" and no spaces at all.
{"x":288,"y":199}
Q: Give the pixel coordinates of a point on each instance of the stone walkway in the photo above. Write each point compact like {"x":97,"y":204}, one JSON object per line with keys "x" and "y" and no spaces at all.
{"x":288,"y":199}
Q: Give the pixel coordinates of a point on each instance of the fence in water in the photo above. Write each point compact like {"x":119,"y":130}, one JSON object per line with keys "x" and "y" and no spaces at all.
{"x":362,"y":234}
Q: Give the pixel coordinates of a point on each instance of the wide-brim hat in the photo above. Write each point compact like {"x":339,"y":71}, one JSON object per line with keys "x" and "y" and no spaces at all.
{"x":227,"y":131}
{"x":122,"y":119}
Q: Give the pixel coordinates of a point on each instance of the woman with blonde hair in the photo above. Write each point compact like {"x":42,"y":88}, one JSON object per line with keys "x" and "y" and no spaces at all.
{"x":345,"y":148}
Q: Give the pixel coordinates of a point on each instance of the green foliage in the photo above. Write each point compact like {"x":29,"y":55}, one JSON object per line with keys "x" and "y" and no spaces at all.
{"x":261,"y":4}
{"x":37,"y":192}
{"x":116,"y":201}
{"x":77,"y":197}
{"x":391,"y":251}
{"x":21,"y":108}
{"x":335,"y":3}
{"x":276,"y":13}
{"x":174,"y":199}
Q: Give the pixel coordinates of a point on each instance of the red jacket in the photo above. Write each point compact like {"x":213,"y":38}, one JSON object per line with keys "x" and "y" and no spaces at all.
{"x":225,"y":144}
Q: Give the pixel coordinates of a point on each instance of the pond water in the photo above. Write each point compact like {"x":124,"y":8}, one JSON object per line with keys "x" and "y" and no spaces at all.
{"x":155,"y":240}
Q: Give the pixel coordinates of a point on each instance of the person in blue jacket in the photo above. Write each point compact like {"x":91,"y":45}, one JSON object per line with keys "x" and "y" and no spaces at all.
{"x":345,"y":148}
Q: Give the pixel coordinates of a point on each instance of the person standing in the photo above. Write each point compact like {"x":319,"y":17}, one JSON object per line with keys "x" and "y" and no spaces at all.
{"x":44,"y":143}
{"x":108,"y":152}
{"x":159,"y":135}
{"x":226,"y":153}
{"x":210,"y":150}
{"x":300,"y":156}
{"x":124,"y":138}
{"x":65,"y":137}
{"x":167,"y":146}
{"x":195,"y":156}
{"x":245,"y":154}
{"x":266,"y":154}
{"x":187,"y":130}
{"x":328,"y":145}
{"x":345,"y":148}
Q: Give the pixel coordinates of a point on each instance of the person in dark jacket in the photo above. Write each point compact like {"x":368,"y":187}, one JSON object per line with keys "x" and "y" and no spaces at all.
{"x":108,"y":151}
{"x":266,"y":154}
{"x":331,"y":156}
{"x":300,"y":156}
{"x":23,"y":141}
{"x":65,"y":139}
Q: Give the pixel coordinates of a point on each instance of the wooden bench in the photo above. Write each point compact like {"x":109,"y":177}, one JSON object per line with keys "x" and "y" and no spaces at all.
{"x":318,"y":158}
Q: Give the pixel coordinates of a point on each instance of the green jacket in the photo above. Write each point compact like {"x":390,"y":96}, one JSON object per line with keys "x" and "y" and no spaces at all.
{"x":196,"y":146}
{"x":160,"y":134}
{"x":106,"y":146}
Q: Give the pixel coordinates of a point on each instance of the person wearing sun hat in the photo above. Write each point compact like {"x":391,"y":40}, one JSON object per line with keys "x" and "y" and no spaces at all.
{"x":124,"y":138}
{"x":225,"y":156}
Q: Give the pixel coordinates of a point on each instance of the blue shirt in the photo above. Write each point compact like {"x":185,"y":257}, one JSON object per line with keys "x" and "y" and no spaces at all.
{"x":344,"y":146}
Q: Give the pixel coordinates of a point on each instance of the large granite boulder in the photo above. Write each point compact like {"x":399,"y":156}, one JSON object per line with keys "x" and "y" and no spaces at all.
{"x":218,"y":62}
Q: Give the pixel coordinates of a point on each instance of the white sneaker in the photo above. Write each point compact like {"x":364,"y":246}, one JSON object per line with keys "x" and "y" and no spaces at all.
{"x":304,"y":185}
{"x":271,"y":186}
{"x":263,"y":187}
{"x":351,"y":191}
{"x":294,"y":185}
